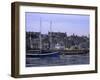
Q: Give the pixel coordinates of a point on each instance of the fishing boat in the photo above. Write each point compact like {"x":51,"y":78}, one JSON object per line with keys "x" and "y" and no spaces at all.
{"x":42,"y":53}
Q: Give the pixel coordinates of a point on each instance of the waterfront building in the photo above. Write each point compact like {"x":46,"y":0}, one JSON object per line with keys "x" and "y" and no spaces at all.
{"x":56,"y":40}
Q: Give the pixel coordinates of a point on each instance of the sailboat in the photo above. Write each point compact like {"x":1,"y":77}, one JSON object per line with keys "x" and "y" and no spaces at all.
{"x":43,"y":53}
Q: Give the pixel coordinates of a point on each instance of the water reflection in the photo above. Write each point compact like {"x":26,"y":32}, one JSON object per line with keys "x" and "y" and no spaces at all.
{"x":58,"y":61}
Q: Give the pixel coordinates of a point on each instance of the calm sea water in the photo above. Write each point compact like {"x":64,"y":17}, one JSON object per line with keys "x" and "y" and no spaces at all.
{"x":58,"y":61}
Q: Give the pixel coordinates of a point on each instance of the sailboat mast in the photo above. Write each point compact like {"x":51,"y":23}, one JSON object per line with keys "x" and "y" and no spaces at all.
{"x":51,"y":35}
{"x":40,"y":35}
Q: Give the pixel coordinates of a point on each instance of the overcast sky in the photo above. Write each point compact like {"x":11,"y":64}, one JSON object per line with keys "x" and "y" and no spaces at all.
{"x":77,"y":24}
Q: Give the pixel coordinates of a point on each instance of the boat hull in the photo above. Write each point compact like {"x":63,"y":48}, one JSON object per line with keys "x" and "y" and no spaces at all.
{"x":40,"y":55}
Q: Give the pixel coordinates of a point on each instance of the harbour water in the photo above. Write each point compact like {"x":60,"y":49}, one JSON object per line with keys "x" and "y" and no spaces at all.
{"x":75,"y":59}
